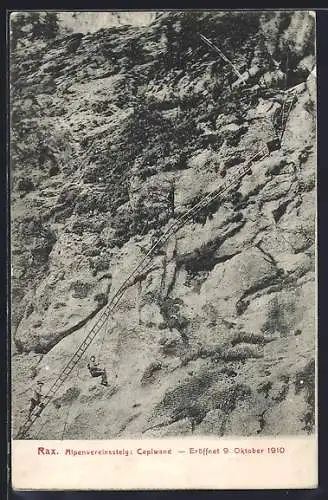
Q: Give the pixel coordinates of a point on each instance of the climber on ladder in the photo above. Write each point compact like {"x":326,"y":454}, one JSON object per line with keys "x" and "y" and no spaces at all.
{"x":96,"y":371}
{"x":36,"y":400}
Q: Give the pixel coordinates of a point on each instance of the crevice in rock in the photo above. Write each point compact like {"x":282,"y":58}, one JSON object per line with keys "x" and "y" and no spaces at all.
{"x":61,"y":335}
{"x":243,"y":303}
{"x":159,"y":102}
{"x":204,"y":258}
{"x":280,"y":211}
{"x":105,"y":276}
{"x":226,"y":257}
{"x":163,"y":276}
{"x":172,"y":282}
{"x":267,"y":254}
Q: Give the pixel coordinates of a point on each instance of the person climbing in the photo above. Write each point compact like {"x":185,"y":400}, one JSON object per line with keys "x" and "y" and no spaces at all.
{"x":36,"y":399}
{"x":96,"y":371}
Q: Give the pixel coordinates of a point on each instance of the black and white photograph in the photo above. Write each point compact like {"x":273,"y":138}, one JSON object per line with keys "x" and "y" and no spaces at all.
{"x":163,"y":224}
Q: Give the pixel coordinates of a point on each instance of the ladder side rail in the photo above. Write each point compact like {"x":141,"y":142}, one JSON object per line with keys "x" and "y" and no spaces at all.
{"x":70,"y":366}
{"x":65,"y":373}
{"x":96,"y":327}
{"x":54,"y":388}
{"x":291,"y":99}
{"x":79,"y":353}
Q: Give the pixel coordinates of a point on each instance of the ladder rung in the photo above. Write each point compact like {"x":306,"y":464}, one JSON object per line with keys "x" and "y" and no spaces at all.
{"x":57,"y":383}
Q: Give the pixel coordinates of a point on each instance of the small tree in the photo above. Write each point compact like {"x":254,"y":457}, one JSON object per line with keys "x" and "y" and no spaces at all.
{"x":50,"y":25}
{"x":32,"y":26}
{"x":17,"y":23}
{"x":34,"y":18}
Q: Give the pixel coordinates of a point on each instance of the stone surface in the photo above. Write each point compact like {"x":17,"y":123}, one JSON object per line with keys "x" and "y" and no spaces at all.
{"x":214,"y":334}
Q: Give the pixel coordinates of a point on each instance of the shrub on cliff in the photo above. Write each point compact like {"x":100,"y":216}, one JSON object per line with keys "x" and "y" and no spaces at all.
{"x":174,"y":318}
{"x":28,"y":26}
{"x":241,"y":352}
{"x":101,"y":299}
{"x":25,"y":185}
{"x":99,"y":264}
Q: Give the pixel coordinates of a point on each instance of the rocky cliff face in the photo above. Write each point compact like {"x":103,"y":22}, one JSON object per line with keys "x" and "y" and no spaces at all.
{"x":114,"y":135}
{"x":89,"y":22}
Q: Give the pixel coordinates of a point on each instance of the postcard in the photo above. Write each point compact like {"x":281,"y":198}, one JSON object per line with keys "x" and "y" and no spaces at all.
{"x":163,"y":249}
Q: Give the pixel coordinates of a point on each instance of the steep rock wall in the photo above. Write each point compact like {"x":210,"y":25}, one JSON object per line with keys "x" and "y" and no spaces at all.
{"x":217,"y":337}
